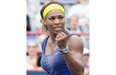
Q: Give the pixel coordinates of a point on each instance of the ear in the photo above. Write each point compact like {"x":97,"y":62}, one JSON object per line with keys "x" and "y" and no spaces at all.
{"x":43,"y":22}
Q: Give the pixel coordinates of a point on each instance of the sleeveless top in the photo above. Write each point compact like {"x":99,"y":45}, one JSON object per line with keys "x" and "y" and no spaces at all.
{"x":54,"y":63}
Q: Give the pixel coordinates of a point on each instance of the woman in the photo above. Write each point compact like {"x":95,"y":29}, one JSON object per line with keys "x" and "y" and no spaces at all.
{"x":33,"y":58}
{"x":62,"y":51}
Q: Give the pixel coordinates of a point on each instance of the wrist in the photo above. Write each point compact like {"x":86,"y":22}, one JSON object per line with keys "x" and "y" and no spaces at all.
{"x":65,"y":50}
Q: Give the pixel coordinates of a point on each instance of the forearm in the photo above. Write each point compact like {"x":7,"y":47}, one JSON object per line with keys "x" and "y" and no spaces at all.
{"x":74,"y":57}
{"x":74,"y":63}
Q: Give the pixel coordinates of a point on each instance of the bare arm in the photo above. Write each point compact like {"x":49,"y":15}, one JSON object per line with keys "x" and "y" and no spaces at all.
{"x":74,"y":57}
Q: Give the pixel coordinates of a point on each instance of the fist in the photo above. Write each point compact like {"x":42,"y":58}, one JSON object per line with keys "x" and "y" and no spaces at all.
{"x":61,"y":40}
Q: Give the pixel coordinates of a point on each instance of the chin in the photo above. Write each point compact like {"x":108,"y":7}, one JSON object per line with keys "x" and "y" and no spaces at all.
{"x":56,"y":32}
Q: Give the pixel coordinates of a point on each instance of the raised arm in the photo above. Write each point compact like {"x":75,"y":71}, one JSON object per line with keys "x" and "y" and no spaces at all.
{"x":74,"y":57}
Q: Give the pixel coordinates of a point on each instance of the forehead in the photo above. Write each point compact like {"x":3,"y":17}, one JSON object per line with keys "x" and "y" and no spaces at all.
{"x":32,"y":43}
{"x":74,"y":17}
{"x":55,"y":13}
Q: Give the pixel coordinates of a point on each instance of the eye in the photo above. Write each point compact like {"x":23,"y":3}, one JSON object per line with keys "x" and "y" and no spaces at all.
{"x":34,"y":46}
{"x":51,"y":18}
{"x":60,"y":17}
{"x":28,"y":47}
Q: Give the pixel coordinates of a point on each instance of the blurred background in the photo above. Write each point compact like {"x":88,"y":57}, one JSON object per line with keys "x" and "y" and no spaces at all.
{"x":77,"y":21}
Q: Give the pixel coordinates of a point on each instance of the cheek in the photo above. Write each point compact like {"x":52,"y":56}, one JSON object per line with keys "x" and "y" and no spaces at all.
{"x":49,"y":23}
{"x":63,"y":22}
{"x":49,"y":26}
{"x":28,"y":49}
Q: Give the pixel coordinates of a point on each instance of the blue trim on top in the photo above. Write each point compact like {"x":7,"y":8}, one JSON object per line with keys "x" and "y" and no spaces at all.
{"x":44,"y":43}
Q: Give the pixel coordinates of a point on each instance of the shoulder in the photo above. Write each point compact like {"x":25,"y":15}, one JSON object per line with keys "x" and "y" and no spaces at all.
{"x":75,"y":42}
{"x":75,"y":38}
{"x":45,"y":38}
{"x":44,"y":42}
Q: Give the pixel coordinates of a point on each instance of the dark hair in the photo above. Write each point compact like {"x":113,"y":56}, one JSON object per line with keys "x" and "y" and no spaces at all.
{"x":52,"y":2}
{"x":28,"y":23}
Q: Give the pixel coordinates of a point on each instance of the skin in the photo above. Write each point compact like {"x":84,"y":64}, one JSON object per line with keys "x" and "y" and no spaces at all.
{"x":55,"y":21}
{"x":32,"y":51}
{"x":85,"y":59}
{"x":32,"y":48}
{"x":73,"y":20}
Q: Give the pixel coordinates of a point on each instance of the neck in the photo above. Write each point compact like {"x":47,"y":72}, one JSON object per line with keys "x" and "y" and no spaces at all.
{"x":52,"y":38}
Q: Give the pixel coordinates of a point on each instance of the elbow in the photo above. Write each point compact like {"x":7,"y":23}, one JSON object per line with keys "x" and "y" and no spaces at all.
{"x":81,"y":69}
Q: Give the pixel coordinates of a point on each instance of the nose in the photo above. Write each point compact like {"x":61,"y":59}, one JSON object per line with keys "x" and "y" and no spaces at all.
{"x":57,"y":22}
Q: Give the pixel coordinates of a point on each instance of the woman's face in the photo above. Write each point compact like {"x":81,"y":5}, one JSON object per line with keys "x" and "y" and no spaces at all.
{"x":73,"y":21}
{"x":32,"y":48}
{"x":55,"y":21}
